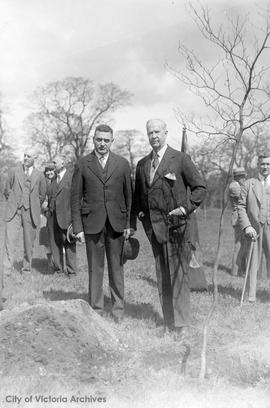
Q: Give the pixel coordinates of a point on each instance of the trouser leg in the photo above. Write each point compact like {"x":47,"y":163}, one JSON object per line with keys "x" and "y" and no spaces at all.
{"x":179,"y":254}
{"x":254,"y":266}
{"x":70,"y":256}
{"x":172,"y":279}
{"x":29,"y":235}
{"x":113,"y":246}
{"x":95,"y":250}
{"x":56,"y":242}
{"x":266,"y":247}
{"x":12,"y":229}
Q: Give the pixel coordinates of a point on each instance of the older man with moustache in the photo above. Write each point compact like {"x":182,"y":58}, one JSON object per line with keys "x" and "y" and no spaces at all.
{"x":254,"y":219}
{"x":101,"y":206}
{"x":25,"y":192}
{"x":63,"y":251}
{"x":162,"y":203}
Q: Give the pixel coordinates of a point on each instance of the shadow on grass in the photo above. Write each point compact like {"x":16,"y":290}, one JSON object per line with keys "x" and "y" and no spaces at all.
{"x":134,"y":310}
{"x":55,"y":295}
{"x":41,"y":266}
{"x":262,"y":294}
{"x":220,"y":267}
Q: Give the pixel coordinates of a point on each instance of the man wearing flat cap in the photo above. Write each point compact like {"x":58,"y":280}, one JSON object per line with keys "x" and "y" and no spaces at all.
{"x":254,"y":219}
{"x":240,"y":247}
{"x":25,"y":191}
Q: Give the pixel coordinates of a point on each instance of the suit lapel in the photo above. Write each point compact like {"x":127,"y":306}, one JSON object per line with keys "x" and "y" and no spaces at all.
{"x":258,"y":189}
{"x":112,"y":164}
{"x":93,"y":165}
{"x":147,"y":167}
{"x":62,"y":183}
{"x":34,"y":177}
{"x":20,"y":176}
{"x":164,"y":164}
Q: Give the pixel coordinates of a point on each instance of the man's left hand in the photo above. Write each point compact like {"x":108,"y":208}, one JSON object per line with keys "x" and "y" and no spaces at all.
{"x":180,"y":211}
{"x":128,"y":232}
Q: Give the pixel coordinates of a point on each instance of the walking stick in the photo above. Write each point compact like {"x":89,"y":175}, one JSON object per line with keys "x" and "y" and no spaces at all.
{"x":247,"y":272}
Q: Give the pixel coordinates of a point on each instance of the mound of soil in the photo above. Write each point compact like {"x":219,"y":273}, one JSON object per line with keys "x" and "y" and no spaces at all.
{"x":66,"y":339}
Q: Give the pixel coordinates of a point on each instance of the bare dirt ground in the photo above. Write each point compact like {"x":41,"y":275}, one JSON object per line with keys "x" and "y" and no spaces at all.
{"x":56,"y":352}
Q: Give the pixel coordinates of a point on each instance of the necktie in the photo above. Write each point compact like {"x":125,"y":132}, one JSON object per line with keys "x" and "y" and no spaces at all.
{"x":58,"y":178}
{"x":102,"y":161}
{"x":155,"y":162}
{"x":26,"y":170}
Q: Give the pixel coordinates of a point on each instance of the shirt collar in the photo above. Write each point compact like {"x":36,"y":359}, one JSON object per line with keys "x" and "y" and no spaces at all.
{"x":161,"y":152}
{"x":30,"y":169}
{"x":261,"y":178}
{"x":106,"y":155}
{"x":61,"y":173}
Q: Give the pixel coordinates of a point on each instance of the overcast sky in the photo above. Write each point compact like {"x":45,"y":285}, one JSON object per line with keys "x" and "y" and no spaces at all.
{"x":124,"y":41}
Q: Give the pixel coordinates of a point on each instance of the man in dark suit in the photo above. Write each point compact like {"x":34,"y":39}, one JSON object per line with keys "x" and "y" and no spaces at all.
{"x":162,"y":204}
{"x":63,"y":251}
{"x":101,"y":204}
{"x":25,"y":191}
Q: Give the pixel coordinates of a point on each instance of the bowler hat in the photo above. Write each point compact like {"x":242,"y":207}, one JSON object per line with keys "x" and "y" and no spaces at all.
{"x":130,"y":249}
{"x":240,"y":171}
{"x":71,"y":237}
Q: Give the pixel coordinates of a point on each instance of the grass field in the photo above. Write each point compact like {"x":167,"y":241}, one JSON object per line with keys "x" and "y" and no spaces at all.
{"x":238,"y":356}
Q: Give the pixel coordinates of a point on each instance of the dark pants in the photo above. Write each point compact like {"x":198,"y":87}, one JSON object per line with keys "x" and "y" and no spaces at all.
{"x":110,"y":242}
{"x":172,"y":260}
{"x":64,"y":253}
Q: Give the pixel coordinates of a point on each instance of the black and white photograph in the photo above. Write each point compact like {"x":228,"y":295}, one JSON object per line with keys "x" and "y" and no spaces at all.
{"x":135,"y":204}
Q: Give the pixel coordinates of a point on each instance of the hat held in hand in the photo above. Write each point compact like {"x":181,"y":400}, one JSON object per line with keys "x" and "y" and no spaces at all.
{"x":71,"y":237}
{"x":130,"y":250}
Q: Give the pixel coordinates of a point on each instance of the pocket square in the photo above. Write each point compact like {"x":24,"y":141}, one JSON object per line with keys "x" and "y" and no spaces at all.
{"x":170,"y":176}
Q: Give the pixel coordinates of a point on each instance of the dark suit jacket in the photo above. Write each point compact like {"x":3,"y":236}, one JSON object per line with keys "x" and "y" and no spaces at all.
{"x":176,"y":172}
{"x":14,"y":191}
{"x":95,"y":196}
{"x":59,"y":199}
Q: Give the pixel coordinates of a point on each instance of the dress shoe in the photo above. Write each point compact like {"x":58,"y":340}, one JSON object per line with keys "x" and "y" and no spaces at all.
{"x":26,"y":269}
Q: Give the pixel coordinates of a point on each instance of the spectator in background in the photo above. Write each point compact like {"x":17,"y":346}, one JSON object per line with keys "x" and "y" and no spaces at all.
{"x":254,"y":219}
{"x":47,"y":228}
{"x":63,"y":251}
{"x":240,"y":245}
{"x":25,"y":192}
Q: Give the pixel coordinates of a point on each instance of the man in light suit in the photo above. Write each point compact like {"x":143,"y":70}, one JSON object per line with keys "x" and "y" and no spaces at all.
{"x":163,"y":205}
{"x":254,"y":218}
{"x":63,"y":251}
{"x":240,"y":247}
{"x":101,"y":205}
{"x":25,"y":191}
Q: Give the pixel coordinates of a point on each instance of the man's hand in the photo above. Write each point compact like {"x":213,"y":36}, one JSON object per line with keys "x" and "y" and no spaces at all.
{"x":44,"y":205}
{"x":180,"y":211}
{"x":251,"y":233}
{"x":128,"y":232}
{"x":80,"y":237}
